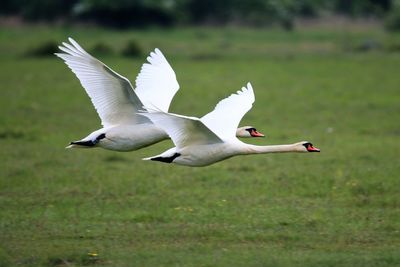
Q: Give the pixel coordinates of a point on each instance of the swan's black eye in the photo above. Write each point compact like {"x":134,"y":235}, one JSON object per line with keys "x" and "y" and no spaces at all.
{"x":251,"y":130}
{"x":307,"y":145}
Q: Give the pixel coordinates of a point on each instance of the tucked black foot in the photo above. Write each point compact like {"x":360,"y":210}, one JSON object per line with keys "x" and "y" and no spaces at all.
{"x":166,"y":159}
{"x":89,"y":142}
{"x":84,"y":143}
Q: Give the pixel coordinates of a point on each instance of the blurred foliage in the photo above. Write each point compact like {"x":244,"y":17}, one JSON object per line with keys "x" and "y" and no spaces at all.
{"x":38,"y":9}
{"x":139,"y":13}
{"x":132,"y":49}
{"x":101,"y":48}
{"x":392,"y":22}
{"x":362,"y":7}
{"x":126,"y":13}
{"x":45,"y":49}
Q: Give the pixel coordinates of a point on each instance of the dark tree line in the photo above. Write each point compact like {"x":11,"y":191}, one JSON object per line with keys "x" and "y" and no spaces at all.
{"x":128,"y":13}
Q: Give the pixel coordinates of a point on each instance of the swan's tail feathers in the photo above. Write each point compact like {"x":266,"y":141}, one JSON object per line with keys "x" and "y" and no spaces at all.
{"x":169,"y":159}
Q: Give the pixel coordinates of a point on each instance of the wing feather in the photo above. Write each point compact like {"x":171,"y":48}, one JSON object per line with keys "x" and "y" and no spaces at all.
{"x":112,"y":95}
{"x":228,"y":113}
{"x":183,"y":130}
{"x":156,"y":83}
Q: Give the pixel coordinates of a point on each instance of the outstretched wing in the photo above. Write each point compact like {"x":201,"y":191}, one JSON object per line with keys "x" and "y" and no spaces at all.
{"x":112,"y":95}
{"x":183,"y":130}
{"x":156,"y":83}
{"x":228,"y":113}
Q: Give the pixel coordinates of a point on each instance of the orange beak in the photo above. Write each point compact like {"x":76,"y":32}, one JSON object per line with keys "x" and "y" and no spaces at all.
{"x":254,"y":133}
{"x":311,"y":148}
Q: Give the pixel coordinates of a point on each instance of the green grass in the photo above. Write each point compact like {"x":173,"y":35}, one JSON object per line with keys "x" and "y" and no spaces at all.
{"x":337,"y":208}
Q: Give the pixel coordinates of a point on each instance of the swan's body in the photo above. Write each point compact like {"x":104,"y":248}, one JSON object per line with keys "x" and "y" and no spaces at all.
{"x":117,"y":103}
{"x":201,"y":142}
{"x":122,"y":137}
{"x":203,"y":155}
{"x":133,"y":137}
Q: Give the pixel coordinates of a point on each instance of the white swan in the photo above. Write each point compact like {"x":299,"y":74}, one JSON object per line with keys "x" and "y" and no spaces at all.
{"x":201,"y":142}
{"x":117,"y":103}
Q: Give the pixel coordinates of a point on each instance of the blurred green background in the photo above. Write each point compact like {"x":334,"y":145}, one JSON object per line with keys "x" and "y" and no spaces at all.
{"x":323,"y":71}
{"x":167,"y":13}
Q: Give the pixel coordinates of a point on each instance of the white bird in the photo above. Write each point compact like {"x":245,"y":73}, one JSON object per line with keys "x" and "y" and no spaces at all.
{"x":201,"y":142}
{"x":117,"y":103}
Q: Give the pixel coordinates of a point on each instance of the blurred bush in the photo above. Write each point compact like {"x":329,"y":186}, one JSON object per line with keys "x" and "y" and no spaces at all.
{"x":367,"y":45}
{"x":393,"y":47}
{"x":392,"y":21}
{"x":45,"y":49}
{"x":125,"y":13}
{"x":140,"y":13}
{"x":362,"y":7}
{"x":101,"y":49}
{"x":132,"y":49}
{"x":33,"y":10}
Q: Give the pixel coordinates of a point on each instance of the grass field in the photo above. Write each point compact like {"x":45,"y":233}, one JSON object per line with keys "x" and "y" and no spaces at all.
{"x":340,"y":207}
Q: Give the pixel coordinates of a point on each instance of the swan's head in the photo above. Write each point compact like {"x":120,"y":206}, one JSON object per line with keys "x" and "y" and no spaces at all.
{"x":248,"y":131}
{"x":306,"y":146}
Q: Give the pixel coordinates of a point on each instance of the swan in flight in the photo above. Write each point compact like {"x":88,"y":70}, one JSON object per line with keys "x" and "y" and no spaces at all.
{"x":201,"y":142}
{"x":117,"y":103}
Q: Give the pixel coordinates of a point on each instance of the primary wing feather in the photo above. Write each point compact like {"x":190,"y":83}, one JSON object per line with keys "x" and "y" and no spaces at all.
{"x":156,"y":83}
{"x":183,"y":130}
{"x":226,"y":116}
{"x":112,"y":95}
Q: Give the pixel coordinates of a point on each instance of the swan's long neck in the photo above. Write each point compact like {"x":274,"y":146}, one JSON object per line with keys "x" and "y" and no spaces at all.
{"x":253,"y":149}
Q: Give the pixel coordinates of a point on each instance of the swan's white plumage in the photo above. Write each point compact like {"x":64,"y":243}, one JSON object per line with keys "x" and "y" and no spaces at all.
{"x":220,"y":124}
{"x":117,"y":103}
{"x":112,"y":94}
{"x":201,"y":142}
{"x":156,"y":83}
{"x":183,"y":130}
{"x":228,"y":113}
